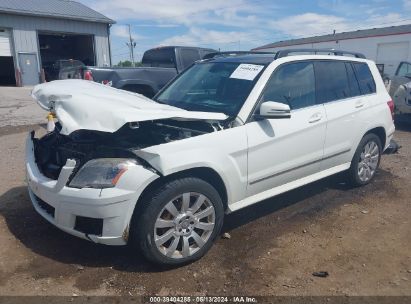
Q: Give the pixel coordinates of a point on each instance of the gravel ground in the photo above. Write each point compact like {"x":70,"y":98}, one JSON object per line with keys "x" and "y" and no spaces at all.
{"x":361,"y":237}
{"x":18,"y":108}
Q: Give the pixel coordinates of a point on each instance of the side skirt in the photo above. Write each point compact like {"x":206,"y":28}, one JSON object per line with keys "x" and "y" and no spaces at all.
{"x":286,"y":187}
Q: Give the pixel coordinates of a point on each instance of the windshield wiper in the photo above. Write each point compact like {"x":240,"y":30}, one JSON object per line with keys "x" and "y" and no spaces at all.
{"x":160,"y":102}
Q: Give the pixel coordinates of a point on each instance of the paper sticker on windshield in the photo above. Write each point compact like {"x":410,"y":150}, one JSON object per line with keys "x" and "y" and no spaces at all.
{"x":246,"y":71}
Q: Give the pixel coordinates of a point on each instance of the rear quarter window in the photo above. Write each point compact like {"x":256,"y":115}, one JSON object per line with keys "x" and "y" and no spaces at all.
{"x":364,"y":77}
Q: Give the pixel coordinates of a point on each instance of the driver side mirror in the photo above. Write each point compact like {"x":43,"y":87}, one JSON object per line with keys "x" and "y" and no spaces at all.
{"x":274,"y":110}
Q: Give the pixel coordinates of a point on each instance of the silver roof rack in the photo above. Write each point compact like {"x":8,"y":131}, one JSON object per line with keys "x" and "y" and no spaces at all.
{"x":288,"y":52}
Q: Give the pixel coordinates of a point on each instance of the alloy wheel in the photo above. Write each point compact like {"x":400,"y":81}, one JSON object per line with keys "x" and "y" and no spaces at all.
{"x":184,"y":225}
{"x":368,"y":161}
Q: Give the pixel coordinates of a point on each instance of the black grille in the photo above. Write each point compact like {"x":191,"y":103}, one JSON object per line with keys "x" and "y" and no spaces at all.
{"x":89,"y":225}
{"x":52,"y":151}
{"x":46,"y":207}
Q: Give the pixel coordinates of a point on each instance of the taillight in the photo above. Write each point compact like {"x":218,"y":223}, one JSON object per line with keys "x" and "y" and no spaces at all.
{"x":88,"y":75}
{"x":391,"y":106}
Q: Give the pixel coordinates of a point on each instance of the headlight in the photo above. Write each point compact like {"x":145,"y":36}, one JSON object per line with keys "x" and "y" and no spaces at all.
{"x":101,"y":173}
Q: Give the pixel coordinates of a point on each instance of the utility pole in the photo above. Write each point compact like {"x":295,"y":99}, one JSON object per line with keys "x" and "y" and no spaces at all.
{"x":131,"y":45}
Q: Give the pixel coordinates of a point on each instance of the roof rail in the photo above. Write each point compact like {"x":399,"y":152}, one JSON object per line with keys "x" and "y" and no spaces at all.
{"x":287,"y":52}
{"x":235,"y":53}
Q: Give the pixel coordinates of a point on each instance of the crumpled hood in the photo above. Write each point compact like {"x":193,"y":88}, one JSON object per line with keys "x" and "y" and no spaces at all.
{"x":82,"y":104}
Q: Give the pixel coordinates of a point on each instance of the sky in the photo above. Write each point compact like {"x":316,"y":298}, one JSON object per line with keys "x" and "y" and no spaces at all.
{"x":239,"y":24}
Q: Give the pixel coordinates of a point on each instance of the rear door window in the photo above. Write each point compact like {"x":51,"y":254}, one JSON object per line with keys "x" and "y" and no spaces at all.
{"x":352,"y":80}
{"x":292,"y":84}
{"x":332,"y":81}
{"x":364,"y":77}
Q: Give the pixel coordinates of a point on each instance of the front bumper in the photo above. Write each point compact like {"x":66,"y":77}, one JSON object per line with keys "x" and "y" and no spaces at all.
{"x":63,"y":206}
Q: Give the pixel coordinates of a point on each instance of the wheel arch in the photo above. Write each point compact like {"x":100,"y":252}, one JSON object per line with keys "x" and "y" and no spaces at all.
{"x":380,"y":132}
{"x":205,"y":173}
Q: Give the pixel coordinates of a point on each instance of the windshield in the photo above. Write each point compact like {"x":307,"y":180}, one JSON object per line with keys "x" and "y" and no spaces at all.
{"x":212,"y":87}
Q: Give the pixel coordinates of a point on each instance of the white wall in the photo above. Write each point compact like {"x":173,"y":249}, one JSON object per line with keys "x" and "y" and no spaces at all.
{"x":367,"y":46}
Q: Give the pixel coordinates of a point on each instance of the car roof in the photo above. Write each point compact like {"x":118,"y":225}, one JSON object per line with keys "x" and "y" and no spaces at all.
{"x":266,"y":59}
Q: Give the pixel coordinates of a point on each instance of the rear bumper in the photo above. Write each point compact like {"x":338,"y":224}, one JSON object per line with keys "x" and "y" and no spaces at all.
{"x":63,"y":206}
{"x":390,"y":135}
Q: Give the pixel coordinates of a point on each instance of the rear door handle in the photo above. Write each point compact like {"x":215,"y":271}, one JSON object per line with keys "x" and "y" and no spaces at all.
{"x":359,"y":104}
{"x":315,"y":117}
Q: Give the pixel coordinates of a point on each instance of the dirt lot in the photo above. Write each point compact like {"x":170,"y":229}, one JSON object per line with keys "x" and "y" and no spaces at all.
{"x":361,"y":236}
{"x":18,"y":108}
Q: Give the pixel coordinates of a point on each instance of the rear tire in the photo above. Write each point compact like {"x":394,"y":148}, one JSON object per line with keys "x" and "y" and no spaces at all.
{"x":179,"y":221}
{"x":366,"y":160}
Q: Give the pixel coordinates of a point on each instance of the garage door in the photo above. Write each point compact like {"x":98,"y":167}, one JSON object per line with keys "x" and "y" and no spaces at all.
{"x":7,"y":75}
{"x":5,"y":45}
{"x":57,"y":50}
{"x":391,"y":54}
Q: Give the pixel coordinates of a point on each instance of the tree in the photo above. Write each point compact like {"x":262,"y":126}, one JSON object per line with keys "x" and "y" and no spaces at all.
{"x":127,"y":63}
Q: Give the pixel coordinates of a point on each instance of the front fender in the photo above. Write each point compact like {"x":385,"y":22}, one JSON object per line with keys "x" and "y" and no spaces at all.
{"x":224,"y":151}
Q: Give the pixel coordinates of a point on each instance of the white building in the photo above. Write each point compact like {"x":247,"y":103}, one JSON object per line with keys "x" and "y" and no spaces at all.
{"x":387,"y":46}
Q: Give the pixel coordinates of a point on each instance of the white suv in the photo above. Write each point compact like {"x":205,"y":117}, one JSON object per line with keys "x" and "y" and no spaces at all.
{"x":227,"y":133}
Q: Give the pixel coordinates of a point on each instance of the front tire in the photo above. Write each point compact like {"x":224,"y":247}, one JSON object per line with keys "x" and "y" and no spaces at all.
{"x":366,"y":160}
{"x":179,"y":221}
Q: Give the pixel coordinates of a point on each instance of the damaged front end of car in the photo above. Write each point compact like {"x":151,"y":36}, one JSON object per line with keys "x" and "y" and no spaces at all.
{"x":108,"y":124}
{"x":107,"y":146}
{"x":54,"y":149}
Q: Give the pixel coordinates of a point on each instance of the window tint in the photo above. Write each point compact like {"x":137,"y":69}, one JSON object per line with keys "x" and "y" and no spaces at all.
{"x":352,"y":80}
{"x":159,"y":58}
{"x":208,"y":86}
{"x":332,"y":81}
{"x":188,"y":56}
{"x":365,"y":79}
{"x":405,"y":68}
{"x":292,"y":84}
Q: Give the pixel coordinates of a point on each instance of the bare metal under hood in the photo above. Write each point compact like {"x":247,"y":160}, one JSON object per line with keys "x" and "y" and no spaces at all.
{"x":81,"y":104}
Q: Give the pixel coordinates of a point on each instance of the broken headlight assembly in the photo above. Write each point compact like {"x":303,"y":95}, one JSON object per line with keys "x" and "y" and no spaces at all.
{"x":101,"y":173}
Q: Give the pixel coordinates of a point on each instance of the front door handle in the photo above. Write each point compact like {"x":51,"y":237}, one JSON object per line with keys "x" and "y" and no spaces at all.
{"x":359,"y":104}
{"x":315,"y":117}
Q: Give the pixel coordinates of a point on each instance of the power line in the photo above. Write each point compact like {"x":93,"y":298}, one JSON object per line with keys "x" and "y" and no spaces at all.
{"x":119,"y":48}
{"x":119,"y":55}
{"x":291,"y":37}
{"x":279,"y":34}
{"x":284,"y":36}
